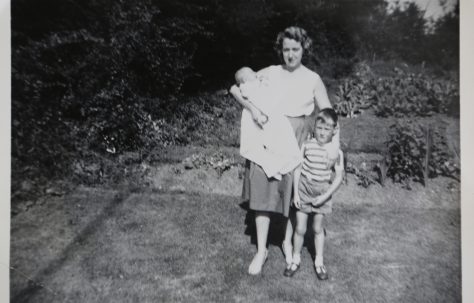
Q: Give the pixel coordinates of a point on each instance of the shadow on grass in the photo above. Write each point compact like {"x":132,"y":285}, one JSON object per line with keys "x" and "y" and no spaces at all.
{"x":28,"y":293}
{"x":195,"y":247}
{"x":277,"y":229}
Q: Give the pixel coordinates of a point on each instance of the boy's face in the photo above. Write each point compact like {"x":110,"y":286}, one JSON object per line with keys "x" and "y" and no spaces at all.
{"x":324,"y":130}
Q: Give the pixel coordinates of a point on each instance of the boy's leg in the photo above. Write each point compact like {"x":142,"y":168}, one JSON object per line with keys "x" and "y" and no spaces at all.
{"x":298,"y":238}
{"x":262,"y":222}
{"x":318,"y":239}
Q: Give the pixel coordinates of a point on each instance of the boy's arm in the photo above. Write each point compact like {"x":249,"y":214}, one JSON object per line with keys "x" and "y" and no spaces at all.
{"x":257,"y":114}
{"x":339,"y":169}
{"x":296,"y":180}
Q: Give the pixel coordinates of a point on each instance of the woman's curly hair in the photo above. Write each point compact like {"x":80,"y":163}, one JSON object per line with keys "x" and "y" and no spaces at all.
{"x":296,"y":33}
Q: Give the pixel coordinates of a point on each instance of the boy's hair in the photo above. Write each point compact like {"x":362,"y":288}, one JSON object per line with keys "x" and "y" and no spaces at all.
{"x":325,"y":114}
{"x":239,"y":74}
{"x":295,"y":33}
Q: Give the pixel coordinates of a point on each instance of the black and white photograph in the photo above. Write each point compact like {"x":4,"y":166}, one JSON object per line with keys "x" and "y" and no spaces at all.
{"x":235,"y":151}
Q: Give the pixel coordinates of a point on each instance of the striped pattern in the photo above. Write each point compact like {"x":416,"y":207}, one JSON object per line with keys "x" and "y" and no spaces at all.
{"x":316,"y":163}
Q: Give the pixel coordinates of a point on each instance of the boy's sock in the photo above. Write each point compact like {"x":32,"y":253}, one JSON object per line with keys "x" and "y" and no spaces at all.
{"x":297,"y":258}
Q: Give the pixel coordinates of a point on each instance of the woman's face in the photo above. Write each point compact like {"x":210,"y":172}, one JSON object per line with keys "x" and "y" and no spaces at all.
{"x":292,"y":53}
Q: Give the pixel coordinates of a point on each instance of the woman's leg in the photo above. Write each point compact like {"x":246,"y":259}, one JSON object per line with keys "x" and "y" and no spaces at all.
{"x":262,"y":222}
{"x":298,"y":238}
{"x":318,"y":239}
{"x":286,"y":245}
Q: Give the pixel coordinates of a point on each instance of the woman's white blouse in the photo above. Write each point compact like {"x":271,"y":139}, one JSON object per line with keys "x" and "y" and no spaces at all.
{"x":294,"y":92}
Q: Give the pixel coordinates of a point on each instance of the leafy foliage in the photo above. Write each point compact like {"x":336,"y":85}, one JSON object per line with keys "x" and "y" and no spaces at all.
{"x":414,"y":94}
{"x":407,"y":150}
{"x":106,"y":77}
{"x":399,"y":95}
{"x":218,"y":161}
{"x":442,"y":35}
{"x":353,"y":96}
{"x":80,"y":87}
{"x":362,"y":173}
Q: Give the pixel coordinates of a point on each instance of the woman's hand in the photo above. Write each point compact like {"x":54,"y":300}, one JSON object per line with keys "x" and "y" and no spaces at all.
{"x":259,"y":117}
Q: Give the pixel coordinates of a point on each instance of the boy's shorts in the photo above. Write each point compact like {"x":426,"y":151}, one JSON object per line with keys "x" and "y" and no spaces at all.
{"x":308,"y":190}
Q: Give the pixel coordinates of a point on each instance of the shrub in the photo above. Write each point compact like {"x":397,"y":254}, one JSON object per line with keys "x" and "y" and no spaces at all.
{"x":81,"y":84}
{"x":399,"y":95}
{"x":414,"y":94}
{"x":218,"y":161}
{"x":353,"y":96}
{"x":416,"y":153}
{"x":362,"y":173}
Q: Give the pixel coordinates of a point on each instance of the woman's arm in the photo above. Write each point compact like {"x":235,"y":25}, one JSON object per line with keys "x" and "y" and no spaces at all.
{"x":263,"y":73}
{"x":257,"y":114}
{"x":321,"y":101}
{"x":321,"y":98}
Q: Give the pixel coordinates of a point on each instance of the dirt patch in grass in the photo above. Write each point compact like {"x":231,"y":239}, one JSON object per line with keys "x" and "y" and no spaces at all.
{"x":176,"y":154}
{"x":367,"y":133}
{"x":440,"y":192}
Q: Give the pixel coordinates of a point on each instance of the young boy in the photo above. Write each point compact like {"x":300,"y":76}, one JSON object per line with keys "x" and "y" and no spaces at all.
{"x":313,"y":187}
{"x":269,"y":141}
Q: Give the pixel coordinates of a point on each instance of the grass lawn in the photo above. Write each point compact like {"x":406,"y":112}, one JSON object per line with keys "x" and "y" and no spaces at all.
{"x":183,"y":235}
{"x":384,"y":244}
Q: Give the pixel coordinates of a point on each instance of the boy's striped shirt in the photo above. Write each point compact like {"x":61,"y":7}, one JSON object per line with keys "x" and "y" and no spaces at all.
{"x":317,"y":163}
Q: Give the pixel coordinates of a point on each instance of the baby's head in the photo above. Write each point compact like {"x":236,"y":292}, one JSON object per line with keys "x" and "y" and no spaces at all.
{"x":245,"y":74}
{"x":325,"y":126}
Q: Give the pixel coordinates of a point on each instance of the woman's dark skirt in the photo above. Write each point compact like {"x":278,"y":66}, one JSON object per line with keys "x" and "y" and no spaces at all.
{"x":270,"y":194}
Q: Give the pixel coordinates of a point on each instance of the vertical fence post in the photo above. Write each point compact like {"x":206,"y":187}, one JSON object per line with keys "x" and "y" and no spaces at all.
{"x":428,"y":139}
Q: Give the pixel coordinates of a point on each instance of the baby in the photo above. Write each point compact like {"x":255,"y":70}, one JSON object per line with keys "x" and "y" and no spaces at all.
{"x":256,"y":90}
{"x":269,"y":141}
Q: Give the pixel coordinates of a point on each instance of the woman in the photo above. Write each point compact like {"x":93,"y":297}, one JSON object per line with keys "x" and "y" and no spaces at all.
{"x":299,"y":92}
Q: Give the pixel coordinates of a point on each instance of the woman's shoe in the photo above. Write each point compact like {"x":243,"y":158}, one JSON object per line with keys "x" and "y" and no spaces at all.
{"x":255,"y":267}
{"x":321,"y":272}
{"x":291,"y":270}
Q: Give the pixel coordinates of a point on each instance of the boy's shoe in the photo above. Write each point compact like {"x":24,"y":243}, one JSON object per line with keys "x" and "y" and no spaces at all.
{"x":321,"y":272}
{"x":291,"y":270}
{"x":255,"y":268}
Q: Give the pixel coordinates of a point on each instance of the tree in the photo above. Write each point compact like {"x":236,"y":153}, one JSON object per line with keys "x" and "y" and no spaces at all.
{"x":443,"y":42}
